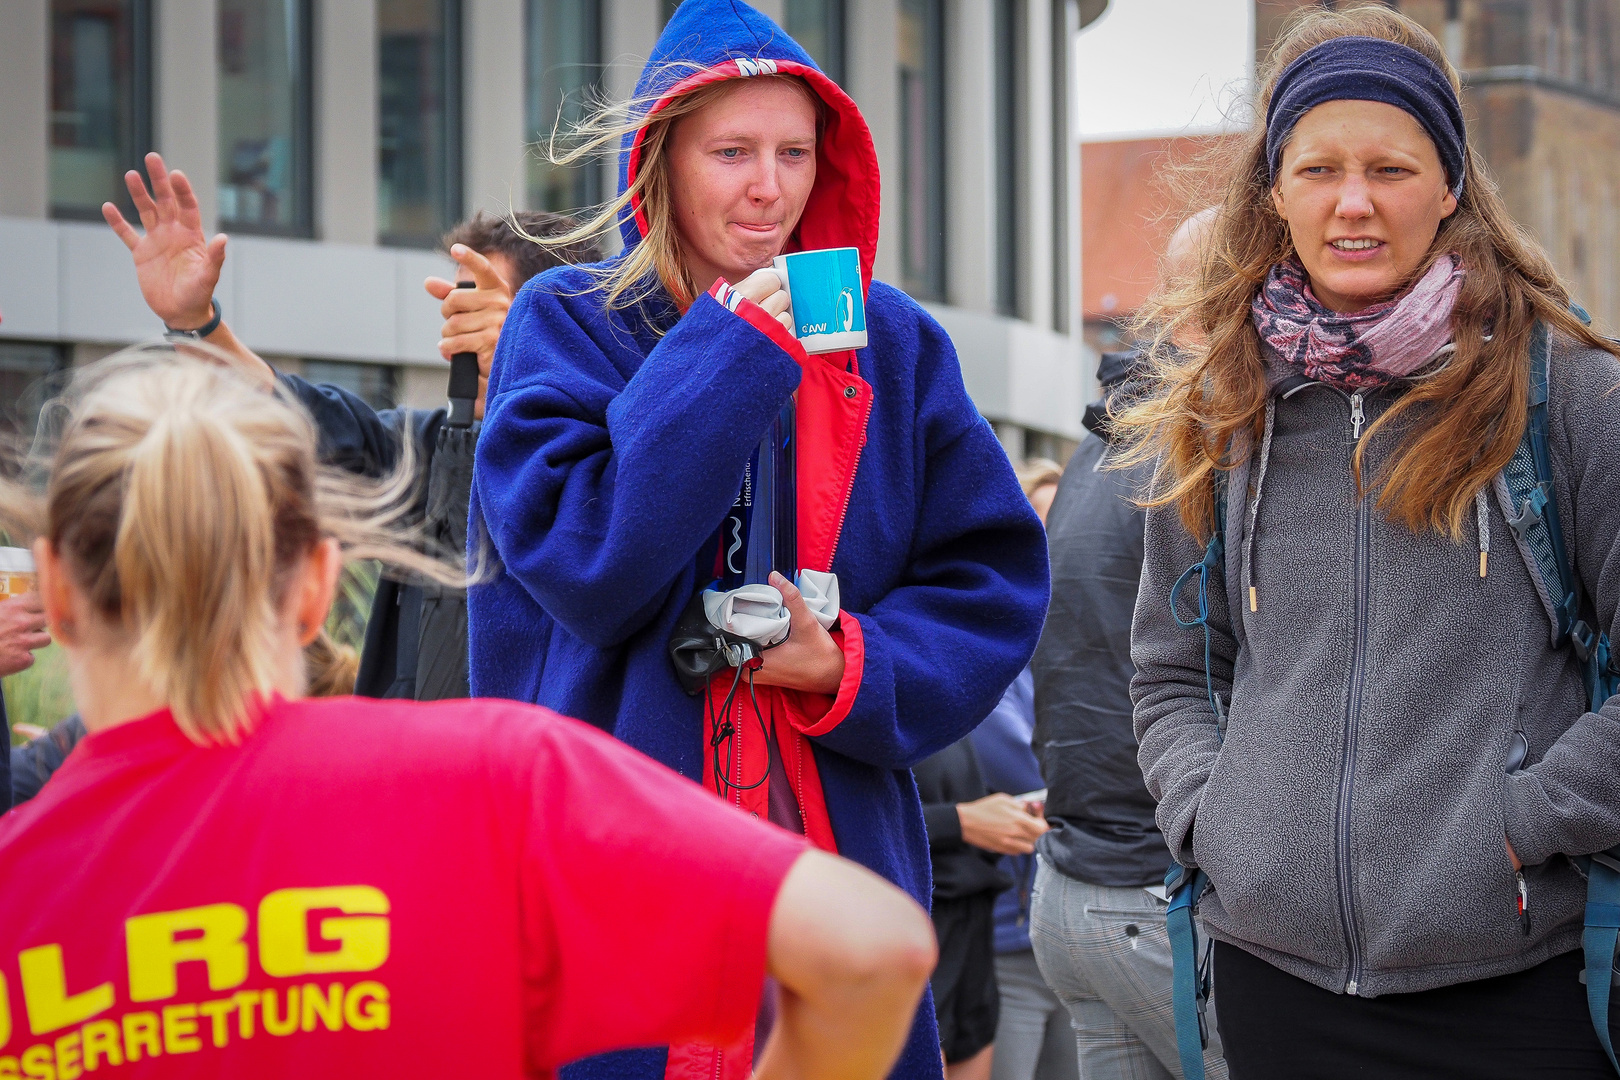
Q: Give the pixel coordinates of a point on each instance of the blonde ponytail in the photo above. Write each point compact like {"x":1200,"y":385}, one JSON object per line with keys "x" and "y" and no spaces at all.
{"x":206,"y":625}
{"x":181,"y":497}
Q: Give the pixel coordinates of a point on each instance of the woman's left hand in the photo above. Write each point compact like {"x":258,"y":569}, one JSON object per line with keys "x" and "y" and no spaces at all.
{"x":809,"y":659}
{"x":1513,"y":856}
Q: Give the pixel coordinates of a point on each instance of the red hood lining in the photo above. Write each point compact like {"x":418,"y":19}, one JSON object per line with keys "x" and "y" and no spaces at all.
{"x":843,"y":207}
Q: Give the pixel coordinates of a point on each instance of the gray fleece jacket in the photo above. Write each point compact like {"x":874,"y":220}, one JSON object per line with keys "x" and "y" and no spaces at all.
{"x":1352,"y":821}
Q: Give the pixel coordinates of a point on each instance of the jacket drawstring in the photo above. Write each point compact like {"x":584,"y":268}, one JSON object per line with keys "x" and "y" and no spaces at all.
{"x":1482,"y":506}
{"x":1247,"y":569}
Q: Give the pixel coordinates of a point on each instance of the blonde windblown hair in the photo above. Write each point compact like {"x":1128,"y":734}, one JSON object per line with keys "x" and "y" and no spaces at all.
{"x":658,"y":260}
{"x":1457,"y":427}
{"x":180,"y":498}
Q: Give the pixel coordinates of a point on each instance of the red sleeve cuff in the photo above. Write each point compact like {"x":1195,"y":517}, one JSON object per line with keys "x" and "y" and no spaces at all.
{"x":817,"y":714}
{"x":757,"y":317}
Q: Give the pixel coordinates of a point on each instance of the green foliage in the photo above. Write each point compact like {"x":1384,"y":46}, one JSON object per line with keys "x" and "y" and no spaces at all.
{"x":346,"y":622}
{"x":39,"y":695}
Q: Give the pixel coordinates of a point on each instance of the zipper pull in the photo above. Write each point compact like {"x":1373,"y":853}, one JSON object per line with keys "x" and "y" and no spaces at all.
{"x":1524,"y":903}
{"x":1357,"y":417}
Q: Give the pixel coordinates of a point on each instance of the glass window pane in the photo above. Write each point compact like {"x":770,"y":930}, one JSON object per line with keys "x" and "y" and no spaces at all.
{"x":1009,"y":76}
{"x":922,"y":148}
{"x":100,"y":119}
{"x":30,"y":374}
{"x":418,"y":119}
{"x":818,"y":25}
{"x":563,"y":70}
{"x":1506,"y":27}
{"x":264,"y":116}
{"x":375,"y":384}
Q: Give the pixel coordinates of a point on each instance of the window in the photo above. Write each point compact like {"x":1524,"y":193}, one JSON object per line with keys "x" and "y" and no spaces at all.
{"x":418,"y":119}
{"x":1010,"y":112}
{"x":818,"y":25}
{"x":30,"y":373}
{"x":264,"y":116}
{"x":1506,"y":25}
{"x":922,"y":148}
{"x":564,"y":72}
{"x":375,"y":384}
{"x":100,"y":102}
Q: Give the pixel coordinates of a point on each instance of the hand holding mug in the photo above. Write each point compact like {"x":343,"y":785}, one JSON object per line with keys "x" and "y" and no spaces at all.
{"x":764,"y":287}
{"x":22,"y":632}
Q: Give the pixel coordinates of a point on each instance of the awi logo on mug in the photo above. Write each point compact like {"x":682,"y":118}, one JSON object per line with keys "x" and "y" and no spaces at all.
{"x":824,"y":288}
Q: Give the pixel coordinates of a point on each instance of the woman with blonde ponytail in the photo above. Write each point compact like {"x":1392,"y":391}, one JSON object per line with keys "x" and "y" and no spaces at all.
{"x":1363,"y":704}
{"x":230,"y":878}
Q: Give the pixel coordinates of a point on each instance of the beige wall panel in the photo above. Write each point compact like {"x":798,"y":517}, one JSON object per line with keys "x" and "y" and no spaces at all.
{"x":346,"y":121}
{"x":24,"y":105}
{"x":187,"y":88}
{"x":495,"y":138}
{"x":874,"y":83}
{"x":970,"y":124}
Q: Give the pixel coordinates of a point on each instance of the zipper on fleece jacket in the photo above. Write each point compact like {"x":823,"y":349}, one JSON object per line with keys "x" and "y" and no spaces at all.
{"x":849,"y":486}
{"x":1361,"y":568}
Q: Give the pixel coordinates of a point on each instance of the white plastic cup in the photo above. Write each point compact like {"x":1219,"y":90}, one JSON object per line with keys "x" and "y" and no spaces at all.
{"x":17,"y":574}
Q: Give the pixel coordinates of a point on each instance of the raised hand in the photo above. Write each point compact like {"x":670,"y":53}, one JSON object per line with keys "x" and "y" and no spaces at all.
{"x":177,"y":266}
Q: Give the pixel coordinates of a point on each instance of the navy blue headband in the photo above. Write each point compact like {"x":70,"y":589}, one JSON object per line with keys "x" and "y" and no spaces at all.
{"x":1369,"y":69}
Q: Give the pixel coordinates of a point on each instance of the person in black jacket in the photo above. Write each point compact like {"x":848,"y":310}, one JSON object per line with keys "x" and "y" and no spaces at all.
{"x":969,"y":828}
{"x":416,"y":636}
{"x":1098,"y":914}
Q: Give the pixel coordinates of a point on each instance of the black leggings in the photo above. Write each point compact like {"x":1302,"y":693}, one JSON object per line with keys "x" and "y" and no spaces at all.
{"x":1527,"y":1025}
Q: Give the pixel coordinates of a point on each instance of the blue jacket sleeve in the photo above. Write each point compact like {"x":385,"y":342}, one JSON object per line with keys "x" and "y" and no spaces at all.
{"x":939,"y":649}
{"x":599,"y":474}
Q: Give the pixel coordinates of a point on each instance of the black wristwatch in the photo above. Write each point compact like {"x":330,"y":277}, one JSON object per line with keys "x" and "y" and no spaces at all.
{"x":201,"y":332}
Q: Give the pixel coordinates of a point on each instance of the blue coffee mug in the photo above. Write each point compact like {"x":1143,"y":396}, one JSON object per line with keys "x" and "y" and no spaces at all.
{"x":827,"y":304}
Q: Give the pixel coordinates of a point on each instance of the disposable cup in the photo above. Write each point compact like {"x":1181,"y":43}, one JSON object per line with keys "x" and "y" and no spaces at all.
{"x":17,"y":574}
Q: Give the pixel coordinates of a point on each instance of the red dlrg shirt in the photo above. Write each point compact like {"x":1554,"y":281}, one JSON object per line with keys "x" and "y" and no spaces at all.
{"x":374,"y":888}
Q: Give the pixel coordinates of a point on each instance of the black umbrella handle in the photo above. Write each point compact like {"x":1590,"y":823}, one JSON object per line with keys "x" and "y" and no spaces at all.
{"x":463,"y":381}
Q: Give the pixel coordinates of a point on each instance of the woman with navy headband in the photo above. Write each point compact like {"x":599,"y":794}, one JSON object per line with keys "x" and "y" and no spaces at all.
{"x":1358,"y":707}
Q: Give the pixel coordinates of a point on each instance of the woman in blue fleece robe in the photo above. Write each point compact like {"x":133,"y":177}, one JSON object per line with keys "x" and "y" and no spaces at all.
{"x":615,"y":442}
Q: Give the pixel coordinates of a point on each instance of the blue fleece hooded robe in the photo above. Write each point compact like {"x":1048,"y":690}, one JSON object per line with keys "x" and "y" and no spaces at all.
{"x":612,"y":451}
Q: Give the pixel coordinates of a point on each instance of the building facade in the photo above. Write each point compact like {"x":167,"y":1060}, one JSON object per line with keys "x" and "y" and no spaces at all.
{"x":335,"y":140}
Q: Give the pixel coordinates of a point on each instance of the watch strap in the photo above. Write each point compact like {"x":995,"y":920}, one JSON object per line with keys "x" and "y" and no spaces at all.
{"x":200,"y":332}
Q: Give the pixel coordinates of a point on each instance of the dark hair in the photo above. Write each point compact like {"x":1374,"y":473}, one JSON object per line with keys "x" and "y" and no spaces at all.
{"x":488,"y":234}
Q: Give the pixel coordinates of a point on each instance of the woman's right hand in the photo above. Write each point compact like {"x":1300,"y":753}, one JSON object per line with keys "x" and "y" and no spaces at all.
{"x":764,"y":288}
{"x":178,"y":267}
{"x":1000,"y":823}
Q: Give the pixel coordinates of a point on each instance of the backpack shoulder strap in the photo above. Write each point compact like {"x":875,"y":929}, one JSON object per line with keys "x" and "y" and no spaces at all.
{"x":1529,"y":481}
{"x":1533,"y":512}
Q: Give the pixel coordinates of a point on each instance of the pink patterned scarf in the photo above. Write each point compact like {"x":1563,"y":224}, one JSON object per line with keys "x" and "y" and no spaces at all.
{"x":1366,"y":348}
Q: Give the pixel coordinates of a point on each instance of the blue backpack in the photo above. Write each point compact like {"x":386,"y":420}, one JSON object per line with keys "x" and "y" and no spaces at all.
{"x":1529,"y":481}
